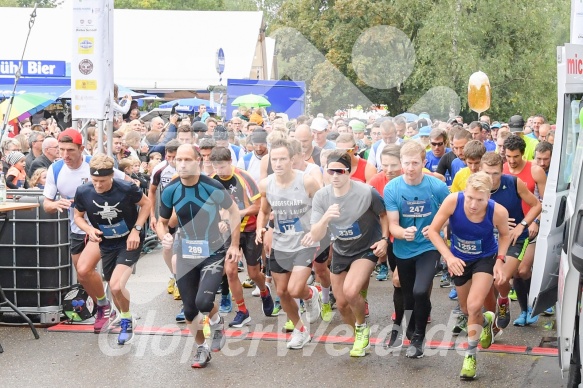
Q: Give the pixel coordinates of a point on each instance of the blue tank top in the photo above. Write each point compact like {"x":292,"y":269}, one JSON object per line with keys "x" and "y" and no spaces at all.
{"x":507,"y":196}
{"x":471,"y":241}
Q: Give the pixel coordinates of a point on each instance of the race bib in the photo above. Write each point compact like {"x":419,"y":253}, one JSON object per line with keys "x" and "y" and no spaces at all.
{"x":349,"y":233}
{"x":114,"y":231}
{"x":195,"y":249}
{"x":469,"y":247}
{"x":416,"y":209}
{"x":291,"y":226}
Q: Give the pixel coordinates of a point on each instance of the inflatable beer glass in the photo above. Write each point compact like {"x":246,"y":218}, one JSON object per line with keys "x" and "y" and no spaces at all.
{"x":479,"y":92}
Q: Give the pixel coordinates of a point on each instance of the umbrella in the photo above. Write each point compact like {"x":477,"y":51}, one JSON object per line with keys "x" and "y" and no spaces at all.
{"x":410,"y":117}
{"x":25,"y":105}
{"x":158,"y":112}
{"x":121,"y":91}
{"x":251,"y":100}
{"x":188,"y":105}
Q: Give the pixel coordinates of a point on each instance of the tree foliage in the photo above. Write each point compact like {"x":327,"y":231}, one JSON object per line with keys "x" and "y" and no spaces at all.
{"x":513,"y":41}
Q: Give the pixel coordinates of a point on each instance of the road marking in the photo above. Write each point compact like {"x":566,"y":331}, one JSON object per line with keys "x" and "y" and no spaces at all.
{"x":324,"y":339}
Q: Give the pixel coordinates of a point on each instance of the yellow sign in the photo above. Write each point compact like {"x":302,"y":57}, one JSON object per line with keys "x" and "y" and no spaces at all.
{"x":85,"y":45}
{"x":84,"y":84}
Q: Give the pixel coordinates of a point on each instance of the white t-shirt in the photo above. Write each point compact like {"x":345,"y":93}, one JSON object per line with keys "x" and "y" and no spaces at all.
{"x":67,"y":182}
{"x":253,"y":166}
{"x":162,"y":174}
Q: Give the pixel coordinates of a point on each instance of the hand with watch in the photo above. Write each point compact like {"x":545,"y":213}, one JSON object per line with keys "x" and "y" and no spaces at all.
{"x":133,"y":241}
{"x":380,"y":249}
{"x":532,"y":228}
{"x":498,"y":272}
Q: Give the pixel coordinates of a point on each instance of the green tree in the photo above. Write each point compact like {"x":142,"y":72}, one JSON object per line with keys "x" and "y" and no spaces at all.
{"x":513,"y":41}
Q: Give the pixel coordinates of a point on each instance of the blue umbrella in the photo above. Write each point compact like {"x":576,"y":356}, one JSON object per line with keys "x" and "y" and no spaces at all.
{"x":410,"y":117}
{"x":188,"y":105}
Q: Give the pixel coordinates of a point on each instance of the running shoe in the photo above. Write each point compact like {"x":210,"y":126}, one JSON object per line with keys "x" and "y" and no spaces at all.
{"x":202,"y":356}
{"x":445,"y":280}
{"x":218,"y":333}
{"x":550,"y":311}
{"x":241,"y":319}
{"x":102,"y":318}
{"x":361,"y":341}
{"x":206,"y":327}
{"x":468,"y":368}
{"x":395,"y":341}
{"x":461,"y":324}
{"x":171,"y":285}
{"x":366,"y":310}
{"x":512,"y":295}
{"x":176,"y":293}
{"x":240,"y":267}
{"x":457,"y":310}
{"x":376,"y":269}
{"x":550,"y":325}
{"x":383,"y":272}
{"x":289,"y":326}
{"x":126,"y":332}
{"x":248,"y":283}
{"x":530,"y":320}
{"x":503,"y":313}
{"x":486,"y":338}
{"x":521,"y":320}
{"x":299,"y":339}
{"x":226,"y":305}
{"x":394,"y":316}
{"x":180,"y":318}
{"x":332,"y":300}
{"x":326,"y":312}
{"x":438,"y":273}
{"x":276,"y":307}
{"x":256,"y":292}
{"x":267,"y":303}
{"x":453,"y":294}
{"x":415,"y":349}
{"x":313,"y":307}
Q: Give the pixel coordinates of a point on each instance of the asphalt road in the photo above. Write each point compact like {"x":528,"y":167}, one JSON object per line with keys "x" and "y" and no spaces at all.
{"x":78,"y":358}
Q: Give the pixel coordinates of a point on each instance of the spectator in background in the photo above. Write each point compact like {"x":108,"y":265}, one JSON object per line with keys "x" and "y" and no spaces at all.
{"x":35,"y":140}
{"x":132,"y":141}
{"x":543,"y":132}
{"x":38,"y":179}
{"x":16,"y":174}
{"x":257,"y":116}
{"x":551,"y":137}
{"x":8,"y":146}
{"x":50,"y":153}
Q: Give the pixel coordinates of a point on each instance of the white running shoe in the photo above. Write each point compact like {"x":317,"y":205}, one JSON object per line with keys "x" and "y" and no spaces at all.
{"x":256,"y":291}
{"x":313,"y":308}
{"x":299,"y":339}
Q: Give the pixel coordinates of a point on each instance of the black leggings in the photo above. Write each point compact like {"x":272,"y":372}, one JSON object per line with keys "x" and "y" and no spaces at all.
{"x":522,"y":288}
{"x":416,"y":277}
{"x":198,"y":284}
{"x":397,"y":291}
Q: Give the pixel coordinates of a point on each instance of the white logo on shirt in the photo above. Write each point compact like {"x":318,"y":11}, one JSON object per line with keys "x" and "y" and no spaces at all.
{"x":109,"y":212}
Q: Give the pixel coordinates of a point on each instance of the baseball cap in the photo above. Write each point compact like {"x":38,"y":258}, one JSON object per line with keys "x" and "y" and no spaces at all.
{"x":220,"y":133}
{"x":425,"y":131}
{"x":516,"y":123}
{"x":495,"y":124}
{"x":485,"y":126}
{"x":319,"y":124}
{"x":73,"y":134}
{"x":199,"y":126}
{"x":357,"y":125}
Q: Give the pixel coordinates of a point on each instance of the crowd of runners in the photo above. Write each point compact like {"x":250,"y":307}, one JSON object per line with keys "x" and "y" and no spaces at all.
{"x":315,"y":208}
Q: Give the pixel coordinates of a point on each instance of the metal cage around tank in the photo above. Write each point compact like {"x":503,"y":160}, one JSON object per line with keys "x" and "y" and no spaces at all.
{"x":35,"y":260}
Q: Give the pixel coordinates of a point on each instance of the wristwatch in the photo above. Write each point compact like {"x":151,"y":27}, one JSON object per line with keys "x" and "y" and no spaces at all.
{"x":537,"y":221}
{"x":387,"y":239}
{"x":138,"y":228}
{"x":524,"y":223}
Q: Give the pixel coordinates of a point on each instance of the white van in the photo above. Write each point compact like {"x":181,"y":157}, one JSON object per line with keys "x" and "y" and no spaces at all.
{"x":558,"y":265}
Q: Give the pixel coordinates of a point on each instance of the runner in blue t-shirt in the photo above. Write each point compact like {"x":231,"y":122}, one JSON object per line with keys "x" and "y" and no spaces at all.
{"x":475,"y":257}
{"x":412,"y":200}
{"x":198,"y":201}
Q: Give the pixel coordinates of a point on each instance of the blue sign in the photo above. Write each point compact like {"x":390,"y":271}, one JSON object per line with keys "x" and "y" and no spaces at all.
{"x":220,"y":63}
{"x":34,"y":68}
